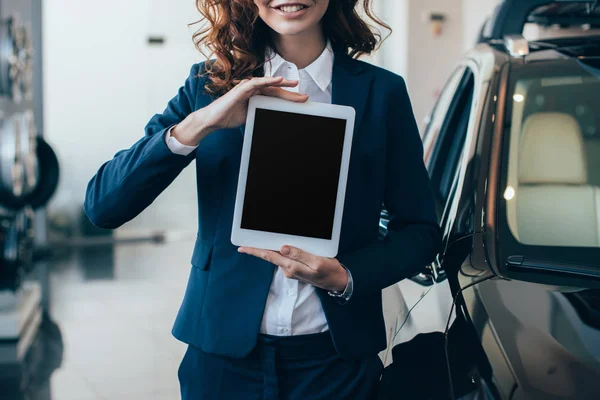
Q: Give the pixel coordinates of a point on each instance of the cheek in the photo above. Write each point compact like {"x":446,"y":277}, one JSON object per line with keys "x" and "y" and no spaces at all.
{"x":322,"y":7}
{"x":264,"y":11}
{"x":262,"y":5}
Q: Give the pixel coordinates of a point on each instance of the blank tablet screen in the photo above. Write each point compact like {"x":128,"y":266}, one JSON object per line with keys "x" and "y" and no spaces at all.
{"x":293,"y":174}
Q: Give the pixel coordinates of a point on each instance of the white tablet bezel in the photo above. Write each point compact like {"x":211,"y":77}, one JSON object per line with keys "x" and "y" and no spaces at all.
{"x":274,"y":241}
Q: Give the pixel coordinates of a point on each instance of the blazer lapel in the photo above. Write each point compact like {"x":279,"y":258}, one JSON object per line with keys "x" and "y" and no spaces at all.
{"x":351,"y":85}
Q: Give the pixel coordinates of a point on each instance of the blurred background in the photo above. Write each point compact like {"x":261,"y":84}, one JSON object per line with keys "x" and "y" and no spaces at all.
{"x":139,"y":53}
{"x":86,"y":313}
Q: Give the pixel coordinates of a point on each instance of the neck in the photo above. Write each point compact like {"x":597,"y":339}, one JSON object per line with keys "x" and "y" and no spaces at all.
{"x":301,"y":49}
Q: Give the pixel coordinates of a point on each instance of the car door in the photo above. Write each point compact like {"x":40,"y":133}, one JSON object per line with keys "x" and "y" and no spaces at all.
{"x":398,"y":298}
{"x":450,"y":141}
{"x":454,"y":168}
{"x":540,"y":324}
{"x":449,"y":135}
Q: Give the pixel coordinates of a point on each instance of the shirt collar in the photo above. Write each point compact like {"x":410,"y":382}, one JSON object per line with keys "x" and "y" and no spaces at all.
{"x":320,"y":70}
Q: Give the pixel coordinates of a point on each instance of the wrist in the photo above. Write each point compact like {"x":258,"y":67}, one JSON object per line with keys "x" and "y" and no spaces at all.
{"x":342,"y":281}
{"x":192,"y":129}
{"x":344,"y":295}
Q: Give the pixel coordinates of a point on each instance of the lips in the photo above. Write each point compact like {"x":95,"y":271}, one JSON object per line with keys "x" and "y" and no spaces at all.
{"x":290,"y":7}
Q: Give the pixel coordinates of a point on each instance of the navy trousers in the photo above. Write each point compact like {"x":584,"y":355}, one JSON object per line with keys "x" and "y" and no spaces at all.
{"x":280,"y":368}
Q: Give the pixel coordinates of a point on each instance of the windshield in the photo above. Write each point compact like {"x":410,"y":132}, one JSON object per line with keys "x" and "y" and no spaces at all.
{"x":552,"y":190}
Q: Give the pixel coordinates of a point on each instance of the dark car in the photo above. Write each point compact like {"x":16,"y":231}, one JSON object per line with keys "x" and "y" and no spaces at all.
{"x":513,"y":152}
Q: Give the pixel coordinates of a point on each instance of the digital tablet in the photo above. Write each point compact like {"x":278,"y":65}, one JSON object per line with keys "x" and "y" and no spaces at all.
{"x":293,"y":174}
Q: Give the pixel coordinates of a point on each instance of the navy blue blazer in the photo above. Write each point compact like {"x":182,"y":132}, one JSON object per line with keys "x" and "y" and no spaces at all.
{"x":226,"y":292}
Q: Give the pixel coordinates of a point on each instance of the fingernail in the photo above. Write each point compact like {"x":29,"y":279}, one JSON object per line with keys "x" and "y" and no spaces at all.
{"x":240,"y":250}
{"x":285,"y":251}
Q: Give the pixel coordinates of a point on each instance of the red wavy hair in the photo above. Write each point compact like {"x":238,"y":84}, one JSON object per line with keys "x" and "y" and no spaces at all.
{"x":238,"y":39}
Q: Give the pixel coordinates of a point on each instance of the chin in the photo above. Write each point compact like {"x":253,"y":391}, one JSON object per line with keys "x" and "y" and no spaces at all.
{"x":293,"y":29}
{"x":292,"y":17}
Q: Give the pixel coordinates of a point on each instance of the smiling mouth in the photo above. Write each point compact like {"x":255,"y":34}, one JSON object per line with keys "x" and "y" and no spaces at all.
{"x":291,"y":8}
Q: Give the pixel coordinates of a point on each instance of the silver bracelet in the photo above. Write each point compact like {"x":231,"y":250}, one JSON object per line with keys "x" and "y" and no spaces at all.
{"x":347,"y":293}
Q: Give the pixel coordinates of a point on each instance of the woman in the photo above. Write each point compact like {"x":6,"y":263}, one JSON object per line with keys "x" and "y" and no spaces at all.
{"x":288,"y":324}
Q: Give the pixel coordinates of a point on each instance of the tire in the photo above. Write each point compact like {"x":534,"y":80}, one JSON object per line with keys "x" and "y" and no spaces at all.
{"x":49,"y":173}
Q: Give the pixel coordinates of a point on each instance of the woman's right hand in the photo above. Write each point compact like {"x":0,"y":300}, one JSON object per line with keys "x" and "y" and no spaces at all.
{"x":229,"y":110}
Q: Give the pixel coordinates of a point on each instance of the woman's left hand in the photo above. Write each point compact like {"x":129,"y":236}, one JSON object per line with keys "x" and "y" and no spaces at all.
{"x":325,"y":273}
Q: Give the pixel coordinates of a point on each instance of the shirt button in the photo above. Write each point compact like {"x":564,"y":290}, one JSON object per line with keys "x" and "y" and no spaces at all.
{"x":290,"y":292}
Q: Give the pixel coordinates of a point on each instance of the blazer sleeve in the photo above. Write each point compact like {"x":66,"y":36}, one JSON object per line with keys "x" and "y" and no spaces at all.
{"x":414,"y":237}
{"x":124,"y":186}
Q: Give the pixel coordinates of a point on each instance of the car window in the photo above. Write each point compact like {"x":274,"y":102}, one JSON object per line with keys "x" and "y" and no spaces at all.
{"x":552,"y":191}
{"x":438,"y":114}
{"x":447,"y":149}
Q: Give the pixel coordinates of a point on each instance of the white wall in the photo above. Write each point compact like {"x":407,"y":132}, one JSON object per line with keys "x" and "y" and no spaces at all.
{"x":475,"y":13}
{"x":426,"y":61}
{"x":431,"y":59}
{"x":393,"y":53}
{"x":103,"y":83}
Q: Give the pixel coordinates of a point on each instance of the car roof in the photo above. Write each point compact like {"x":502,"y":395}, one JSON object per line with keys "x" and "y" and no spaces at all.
{"x":576,"y":35}
{"x":556,"y":48}
{"x":510,"y":16}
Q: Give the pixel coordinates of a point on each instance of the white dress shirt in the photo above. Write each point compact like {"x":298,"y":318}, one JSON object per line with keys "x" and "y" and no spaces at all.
{"x":292,"y":307}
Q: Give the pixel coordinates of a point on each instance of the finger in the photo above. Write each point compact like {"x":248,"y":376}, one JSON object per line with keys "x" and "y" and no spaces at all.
{"x":265,"y":80}
{"x":250,"y":84}
{"x":284,"y":94}
{"x":267,"y":255}
{"x":302,"y":256}
{"x":256,"y":83}
{"x":290,"y":274}
{"x":273,"y":81}
{"x":291,"y":268}
{"x":284,"y":83}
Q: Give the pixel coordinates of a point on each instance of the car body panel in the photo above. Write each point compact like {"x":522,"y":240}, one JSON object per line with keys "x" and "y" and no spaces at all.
{"x":533,"y":339}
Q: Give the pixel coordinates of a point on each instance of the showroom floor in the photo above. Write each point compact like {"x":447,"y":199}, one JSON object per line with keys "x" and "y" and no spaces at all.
{"x":115,"y":320}
{"x":112,"y":310}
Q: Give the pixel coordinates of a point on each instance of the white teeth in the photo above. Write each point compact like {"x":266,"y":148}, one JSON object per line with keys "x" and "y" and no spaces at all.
{"x":291,"y":9}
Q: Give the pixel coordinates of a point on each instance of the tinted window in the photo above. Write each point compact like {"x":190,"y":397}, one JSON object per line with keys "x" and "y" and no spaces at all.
{"x":438,"y":115}
{"x":552,"y":190}
{"x":447,"y":150}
